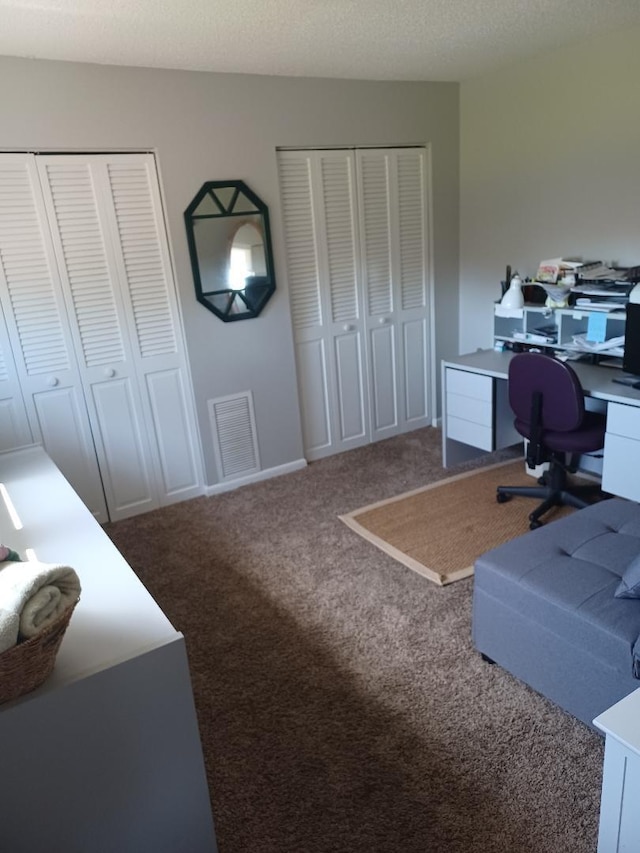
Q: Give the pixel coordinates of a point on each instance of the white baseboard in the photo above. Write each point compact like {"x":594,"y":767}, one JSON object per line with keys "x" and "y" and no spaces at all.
{"x":229,"y":485}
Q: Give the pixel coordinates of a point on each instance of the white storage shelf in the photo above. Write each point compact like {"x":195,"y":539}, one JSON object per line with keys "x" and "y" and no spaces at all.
{"x":525,"y":324}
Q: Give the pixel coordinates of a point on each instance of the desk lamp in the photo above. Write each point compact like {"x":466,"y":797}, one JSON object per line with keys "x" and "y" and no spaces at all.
{"x":514,"y":298}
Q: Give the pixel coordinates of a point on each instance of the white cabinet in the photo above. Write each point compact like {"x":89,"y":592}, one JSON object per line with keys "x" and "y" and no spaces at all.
{"x":93,"y":322}
{"x":619,"y":819}
{"x":621,"y":451}
{"x":469,"y":408}
{"x":476,"y":414}
{"x":356,"y":235}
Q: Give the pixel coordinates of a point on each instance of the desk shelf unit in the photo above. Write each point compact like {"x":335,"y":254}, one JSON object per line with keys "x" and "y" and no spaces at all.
{"x":522,"y":325}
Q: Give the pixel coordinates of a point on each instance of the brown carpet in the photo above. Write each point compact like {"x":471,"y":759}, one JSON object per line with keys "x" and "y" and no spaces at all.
{"x":439,"y":530}
{"x":341,"y":704}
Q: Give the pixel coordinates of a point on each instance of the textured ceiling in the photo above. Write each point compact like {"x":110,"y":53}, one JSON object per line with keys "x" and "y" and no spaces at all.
{"x":367,"y":39}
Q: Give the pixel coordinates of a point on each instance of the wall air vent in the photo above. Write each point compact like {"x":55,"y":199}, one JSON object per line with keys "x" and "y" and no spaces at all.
{"x":235,"y":440}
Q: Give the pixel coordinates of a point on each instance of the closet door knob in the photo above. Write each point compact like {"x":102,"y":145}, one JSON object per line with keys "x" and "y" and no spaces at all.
{"x":348,"y":327}
{"x":109,"y":372}
{"x":52,"y":381}
{"x":383,"y":321}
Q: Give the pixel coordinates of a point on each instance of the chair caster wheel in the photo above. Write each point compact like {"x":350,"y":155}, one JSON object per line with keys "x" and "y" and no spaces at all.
{"x":535,"y":524}
{"x":502,"y":499}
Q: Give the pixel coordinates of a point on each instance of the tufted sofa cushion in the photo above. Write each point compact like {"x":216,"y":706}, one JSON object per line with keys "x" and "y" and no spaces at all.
{"x":565,"y":575}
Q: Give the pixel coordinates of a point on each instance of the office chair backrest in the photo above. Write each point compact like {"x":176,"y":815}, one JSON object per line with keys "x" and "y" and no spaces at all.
{"x":556,"y":383}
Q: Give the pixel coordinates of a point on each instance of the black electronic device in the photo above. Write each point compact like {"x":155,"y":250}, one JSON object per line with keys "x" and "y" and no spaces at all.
{"x":631,"y":358}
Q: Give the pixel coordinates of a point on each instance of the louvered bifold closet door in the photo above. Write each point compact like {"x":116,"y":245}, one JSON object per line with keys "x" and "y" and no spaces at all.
{"x":393,"y":209}
{"x":14,"y":424}
{"x":39,"y":333}
{"x":111,"y":252}
{"x":136,"y":225}
{"x":318,"y":195}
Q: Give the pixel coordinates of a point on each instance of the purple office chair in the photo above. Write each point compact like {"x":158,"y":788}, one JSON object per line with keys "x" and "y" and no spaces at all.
{"x":548,"y":402}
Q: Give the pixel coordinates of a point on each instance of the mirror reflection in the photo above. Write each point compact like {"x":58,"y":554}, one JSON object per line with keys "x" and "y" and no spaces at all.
{"x":230,"y":247}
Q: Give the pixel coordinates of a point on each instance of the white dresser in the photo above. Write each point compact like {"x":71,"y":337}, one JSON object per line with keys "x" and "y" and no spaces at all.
{"x":106,"y":754}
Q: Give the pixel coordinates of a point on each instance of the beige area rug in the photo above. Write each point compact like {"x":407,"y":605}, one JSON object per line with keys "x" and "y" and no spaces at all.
{"x":440,"y":530}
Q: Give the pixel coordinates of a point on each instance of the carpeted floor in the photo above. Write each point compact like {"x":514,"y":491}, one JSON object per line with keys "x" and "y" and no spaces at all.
{"x":341,"y":705}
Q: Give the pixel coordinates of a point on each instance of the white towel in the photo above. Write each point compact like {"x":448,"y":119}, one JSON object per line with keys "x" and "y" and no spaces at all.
{"x":9,"y":627}
{"x":32,"y":596}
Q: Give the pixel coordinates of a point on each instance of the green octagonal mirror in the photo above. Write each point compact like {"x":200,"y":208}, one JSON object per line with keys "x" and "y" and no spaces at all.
{"x":230,"y":248}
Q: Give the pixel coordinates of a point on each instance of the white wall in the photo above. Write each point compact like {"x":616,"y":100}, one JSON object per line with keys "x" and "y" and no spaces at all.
{"x":214,"y":127}
{"x":550,"y":166}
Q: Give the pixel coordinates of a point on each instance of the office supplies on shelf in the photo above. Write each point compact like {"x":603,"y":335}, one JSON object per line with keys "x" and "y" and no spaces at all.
{"x":558,"y":270}
{"x":550,"y":331}
{"x":597,"y":327}
{"x":600,"y":271}
{"x":558,"y":328}
{"x":548,"y":271}
{"x":556,"y":293}
{"x":603,"y":288}
{"x":614,"y":305}
{"x":533,"y":338}
{"x":583,"y":343}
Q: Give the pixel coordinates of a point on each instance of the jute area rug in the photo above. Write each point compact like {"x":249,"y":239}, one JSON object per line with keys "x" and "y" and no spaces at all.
{"x":440,"y":529}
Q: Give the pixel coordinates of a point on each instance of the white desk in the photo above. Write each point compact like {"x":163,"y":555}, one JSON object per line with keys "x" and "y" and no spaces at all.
{"x":106,"y":754}
{"x":477,"y":418}
{"x":619,"y":819}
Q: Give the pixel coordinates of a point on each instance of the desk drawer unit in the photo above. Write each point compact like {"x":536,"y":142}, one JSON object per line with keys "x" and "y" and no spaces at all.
{"x":470,"y":408}
{"x":621,"y":462}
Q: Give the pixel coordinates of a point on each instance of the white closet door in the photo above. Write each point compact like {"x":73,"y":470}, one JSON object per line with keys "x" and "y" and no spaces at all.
{"x":40,"y":337}
{"x":71,"y":189}
{"x":392,"y":198}
{"x":141,"y":253}
{"x":356,"y":235}
{"x":14,"y":425}
{"x":319,"y":208}
{"x":114,"y":266}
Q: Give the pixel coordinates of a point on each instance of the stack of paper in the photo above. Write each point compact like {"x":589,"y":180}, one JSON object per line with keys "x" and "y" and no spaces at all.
{"x":581,"y":342}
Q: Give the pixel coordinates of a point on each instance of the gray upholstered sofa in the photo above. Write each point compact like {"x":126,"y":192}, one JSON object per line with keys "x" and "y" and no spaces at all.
{"x":544,"y":608}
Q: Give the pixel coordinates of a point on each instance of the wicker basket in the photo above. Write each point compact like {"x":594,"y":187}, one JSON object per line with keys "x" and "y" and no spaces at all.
{"x":28,"y":664}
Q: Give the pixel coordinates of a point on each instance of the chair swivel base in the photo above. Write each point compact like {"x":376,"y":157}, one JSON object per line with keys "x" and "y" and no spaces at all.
{"x":555,"y":492}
